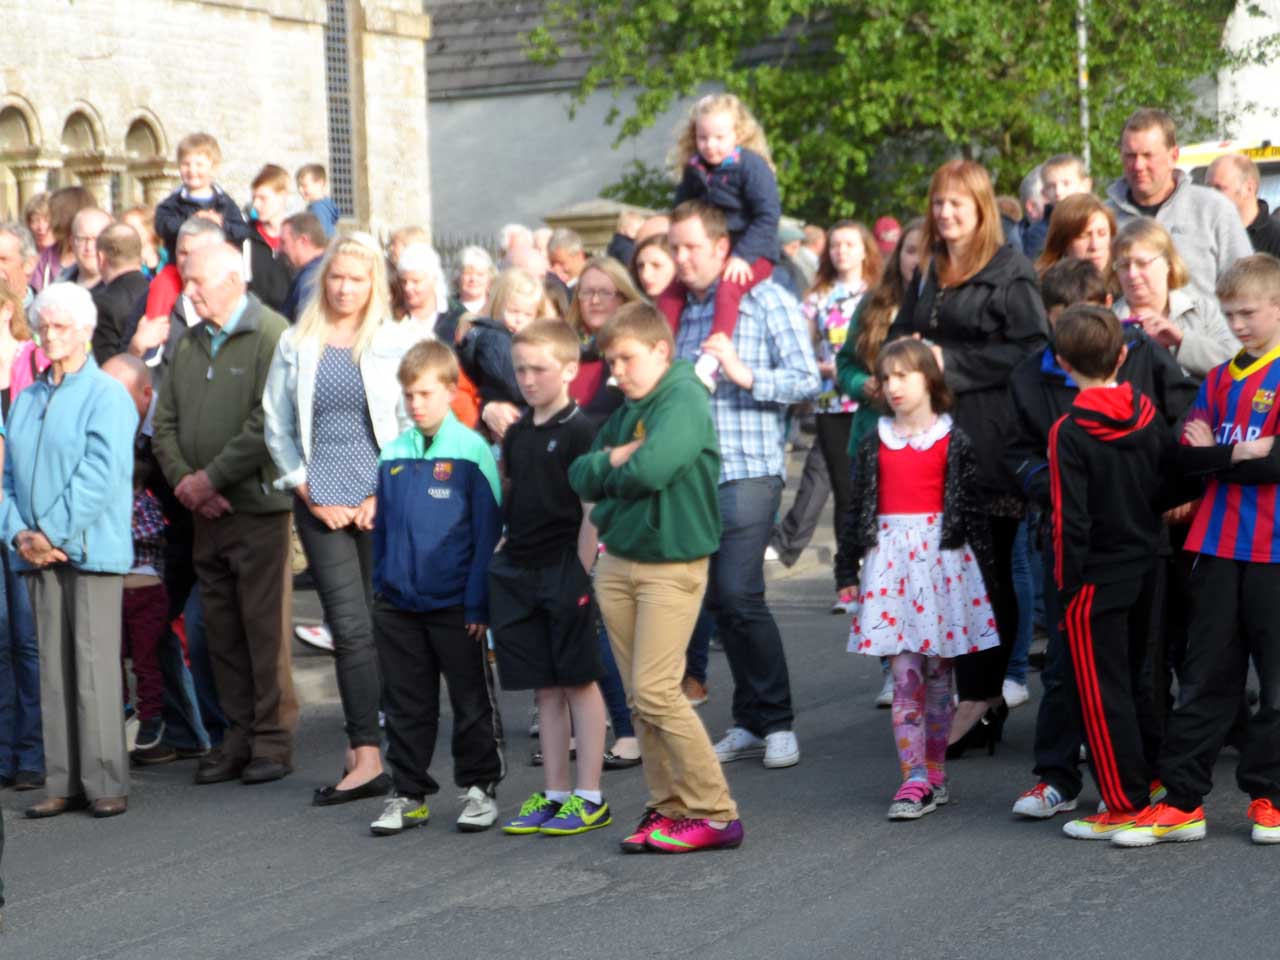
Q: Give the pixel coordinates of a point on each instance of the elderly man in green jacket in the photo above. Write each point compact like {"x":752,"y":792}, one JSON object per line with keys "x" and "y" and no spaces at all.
{"x":208,"y":437}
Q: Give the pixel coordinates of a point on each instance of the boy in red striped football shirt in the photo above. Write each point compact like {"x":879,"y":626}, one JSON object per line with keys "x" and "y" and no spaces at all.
{"x":1111,"y":460}
{"x":1235,"y":581}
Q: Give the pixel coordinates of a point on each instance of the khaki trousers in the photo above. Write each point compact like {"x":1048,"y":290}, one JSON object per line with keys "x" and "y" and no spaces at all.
{"x":649,"y":610}
{"x":246,"y":586}
{"x":78,"y":618}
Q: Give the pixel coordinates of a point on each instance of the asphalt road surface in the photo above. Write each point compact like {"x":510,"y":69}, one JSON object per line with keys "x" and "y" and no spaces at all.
{"x":230,"y":871}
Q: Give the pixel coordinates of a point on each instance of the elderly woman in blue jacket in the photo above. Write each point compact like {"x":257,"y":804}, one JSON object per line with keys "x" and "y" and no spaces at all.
{"x":68,"y":497}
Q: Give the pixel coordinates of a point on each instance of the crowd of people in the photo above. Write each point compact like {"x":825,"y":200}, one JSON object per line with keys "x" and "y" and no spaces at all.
{"x":570,"y":468}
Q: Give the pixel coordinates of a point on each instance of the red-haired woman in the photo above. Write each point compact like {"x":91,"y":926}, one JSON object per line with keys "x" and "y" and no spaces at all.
{"x":976,"y":301}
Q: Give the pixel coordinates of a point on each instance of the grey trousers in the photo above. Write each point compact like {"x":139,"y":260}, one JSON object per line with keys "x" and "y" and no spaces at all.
{"x":78,"y":619}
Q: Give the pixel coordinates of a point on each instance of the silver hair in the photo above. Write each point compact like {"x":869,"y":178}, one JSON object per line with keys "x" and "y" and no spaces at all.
{"x":1032,"y":186}
{"x":511,"y":230}
{"x":66,"y":299}
{"x":566,"y":240}
{"x":477,"y":257}
{"x":200,"y":227}
{"x":422,"y":258}
{"x":26,"y":242}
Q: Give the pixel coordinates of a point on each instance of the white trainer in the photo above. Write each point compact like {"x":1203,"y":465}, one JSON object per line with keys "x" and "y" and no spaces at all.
{"x":317,"y":637}
{"x":884,"y":699}
{"x":738,"y":744}
{"x":1015,"y":694}
{"x":1042,"y":802}
{"x":781,"y":749}
{"x":479,"y":811}
{"x":399,"y":814}
{"x":771,"y":555}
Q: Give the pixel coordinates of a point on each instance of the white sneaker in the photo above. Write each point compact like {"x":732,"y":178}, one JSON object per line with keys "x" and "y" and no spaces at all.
{"x":884,"y":699}
{"x":1015,"y":694}
{"x":781,"y":749}
{"x":1042,"y":802}
{"x":846,"y":607}
{"x":739,"y":744}
{"x":479,"y":812}
{"x":771,"y":555}
{"x":399,"y":813}
{"x":534,"y":721}
{"x":317,"y":637}
{"x":707,"y":368}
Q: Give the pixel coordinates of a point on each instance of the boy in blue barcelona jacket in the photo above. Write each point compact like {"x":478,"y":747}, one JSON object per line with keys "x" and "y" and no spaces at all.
{"x":438,"y":521}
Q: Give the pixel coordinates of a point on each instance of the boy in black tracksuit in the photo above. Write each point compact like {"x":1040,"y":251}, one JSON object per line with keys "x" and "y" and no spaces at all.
{"x":1041,"y":392}
{"x":1109,"y":458}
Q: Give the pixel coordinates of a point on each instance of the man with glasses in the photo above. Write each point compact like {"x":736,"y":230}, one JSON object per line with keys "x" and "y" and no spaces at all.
{"x":86,"y":226}
{"x":1204,"y":225}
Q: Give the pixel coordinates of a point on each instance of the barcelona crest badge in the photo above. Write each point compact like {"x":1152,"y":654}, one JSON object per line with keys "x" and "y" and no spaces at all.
{"x":442,"y":470}
{"x":1263,"y":401}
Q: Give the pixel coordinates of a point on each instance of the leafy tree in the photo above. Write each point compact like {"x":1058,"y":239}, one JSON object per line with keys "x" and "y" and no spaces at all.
{"x":862,"y":99}
{"x":641,"y":185}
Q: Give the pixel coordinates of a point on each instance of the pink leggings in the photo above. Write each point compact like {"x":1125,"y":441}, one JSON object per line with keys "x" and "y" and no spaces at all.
{"x":922,"y":711}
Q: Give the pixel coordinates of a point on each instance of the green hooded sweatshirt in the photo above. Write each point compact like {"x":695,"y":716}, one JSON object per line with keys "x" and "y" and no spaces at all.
{"x":663,"y":504}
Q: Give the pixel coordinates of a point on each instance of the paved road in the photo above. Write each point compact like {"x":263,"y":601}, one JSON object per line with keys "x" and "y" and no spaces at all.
{"x":230,"y":872}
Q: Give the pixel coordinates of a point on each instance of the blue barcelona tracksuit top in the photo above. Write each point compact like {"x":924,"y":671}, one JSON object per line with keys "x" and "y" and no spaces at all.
{"x":438,"y":520}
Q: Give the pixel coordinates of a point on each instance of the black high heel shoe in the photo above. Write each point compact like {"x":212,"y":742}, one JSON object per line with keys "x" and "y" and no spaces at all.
{"x":987,"y":732}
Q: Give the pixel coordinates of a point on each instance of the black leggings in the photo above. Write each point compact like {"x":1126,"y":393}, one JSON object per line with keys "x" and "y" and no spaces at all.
{"x":980,"y":676}
{"x":833,"y":438}
{"x":341,"y":563}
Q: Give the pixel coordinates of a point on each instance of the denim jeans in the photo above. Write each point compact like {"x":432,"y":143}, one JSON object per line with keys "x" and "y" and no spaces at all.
{"x":695,"y":658}
{"x":736,"y":595}
{"x":615,"y":695}
{"x":1024,"y":585}
{"x":21,"y":739}
{"x":206,"y":694}
{"x":183,"y":726}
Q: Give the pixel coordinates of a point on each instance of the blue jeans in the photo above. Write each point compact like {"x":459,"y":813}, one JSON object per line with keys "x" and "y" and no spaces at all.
{"x":1024,"y":587}
{"x":192,"y":717}
{"x":615,"y":696}
{"x":736,"y":595}
{"x":21,"y":739}
{"x":695,"y":660}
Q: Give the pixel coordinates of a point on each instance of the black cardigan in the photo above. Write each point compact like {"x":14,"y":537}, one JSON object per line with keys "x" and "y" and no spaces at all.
{"x":964,"y":515}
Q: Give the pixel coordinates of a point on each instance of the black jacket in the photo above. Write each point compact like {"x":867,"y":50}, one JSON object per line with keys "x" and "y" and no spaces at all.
{"x":1114,"y":467}
{"x":964,"y":517}
{"x":622,"y":248}
{"x":175,"y":209}
{"x":485,"y":355}
{"x":1264,"y":232}
{"x":120,"y":303}
{"x":985,"y":326}
{"x":1040,"y":393}
{"x":271,"y":277}
{"x":747,"y":191}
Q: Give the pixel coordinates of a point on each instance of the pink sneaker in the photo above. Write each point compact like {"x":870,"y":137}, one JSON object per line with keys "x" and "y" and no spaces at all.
{"x":637,"y":840}
{"x":692,"y":834}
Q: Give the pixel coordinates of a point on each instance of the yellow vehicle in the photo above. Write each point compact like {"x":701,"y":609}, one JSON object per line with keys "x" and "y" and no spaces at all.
{"x":1196,"y":157}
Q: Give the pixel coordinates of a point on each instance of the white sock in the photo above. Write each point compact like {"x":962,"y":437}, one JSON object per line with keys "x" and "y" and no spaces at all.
{"x":593,"y":795}
{"x":556,"y":796}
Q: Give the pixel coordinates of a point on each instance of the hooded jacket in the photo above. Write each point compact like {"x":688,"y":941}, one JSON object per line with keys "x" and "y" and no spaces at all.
{"x":663,"y":504}
{"x":1205,"y":227}
{"x":485,"y":355}
{"x":1041,"y":392}
{"x":985,"y":326}
{"x":1114,"y":467}
{"x":175,"y":209}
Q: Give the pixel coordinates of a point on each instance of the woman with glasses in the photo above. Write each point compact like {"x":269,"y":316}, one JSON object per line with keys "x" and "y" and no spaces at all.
{"x":1155,"y":293}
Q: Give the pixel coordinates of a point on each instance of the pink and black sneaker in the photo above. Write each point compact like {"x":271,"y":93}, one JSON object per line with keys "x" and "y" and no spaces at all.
{"x":636,"y":841}
{"x":693,"y":834}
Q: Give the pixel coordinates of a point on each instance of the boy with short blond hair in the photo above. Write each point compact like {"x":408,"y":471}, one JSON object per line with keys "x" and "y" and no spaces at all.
{"x":438,"y":519}
{"x":1235,"y":580}
{"x":543,"y":615}
{"x":313,"y":187}
{"x":653,"y":474}
{"x":270,"y":275}
{"x":199,"y":157}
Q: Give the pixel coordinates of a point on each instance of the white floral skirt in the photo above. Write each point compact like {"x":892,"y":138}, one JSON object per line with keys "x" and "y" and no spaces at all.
{"x":917,"y":598}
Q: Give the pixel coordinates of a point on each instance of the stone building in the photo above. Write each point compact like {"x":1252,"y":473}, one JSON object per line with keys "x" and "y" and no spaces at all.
{"x":99,"y":92}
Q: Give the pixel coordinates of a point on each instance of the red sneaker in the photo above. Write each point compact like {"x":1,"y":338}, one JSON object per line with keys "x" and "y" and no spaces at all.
{"x":1100,"y":826}
{"x":693,"y":834}
{"x":1162,"y":823}
{"x":651,"y":821}
{"x":1266,"y":821}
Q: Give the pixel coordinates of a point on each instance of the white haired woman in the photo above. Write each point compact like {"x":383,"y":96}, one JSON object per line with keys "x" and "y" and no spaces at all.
{"x":476,"y":273}
{"x":68,"y":496}
{"x":425,"y":295}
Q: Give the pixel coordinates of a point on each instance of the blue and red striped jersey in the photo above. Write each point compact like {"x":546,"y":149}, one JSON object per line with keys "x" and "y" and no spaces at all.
{"x":1238,"y":521}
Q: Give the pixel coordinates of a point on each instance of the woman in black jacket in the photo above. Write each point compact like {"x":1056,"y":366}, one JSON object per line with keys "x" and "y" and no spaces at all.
{"x":978,"y":305}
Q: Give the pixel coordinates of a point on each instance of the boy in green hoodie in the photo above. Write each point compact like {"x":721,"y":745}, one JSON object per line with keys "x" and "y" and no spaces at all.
{"x":653,"y":473}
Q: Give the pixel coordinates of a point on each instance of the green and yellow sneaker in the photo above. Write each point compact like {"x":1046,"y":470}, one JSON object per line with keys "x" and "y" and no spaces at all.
{"x":534,"y":812}
{"x":577,"y":815}
{"x":399,"y":814}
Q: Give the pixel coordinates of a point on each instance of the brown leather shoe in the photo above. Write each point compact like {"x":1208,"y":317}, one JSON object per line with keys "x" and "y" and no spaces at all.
{"x":52,"y":806}
{"x":217,"y":767}
{"x":263,"y":770}
{"x":109,"y":807}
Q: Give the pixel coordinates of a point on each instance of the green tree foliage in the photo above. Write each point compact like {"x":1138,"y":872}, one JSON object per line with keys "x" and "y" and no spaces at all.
{"x":861,"y":99}
{"x":641,"y":185}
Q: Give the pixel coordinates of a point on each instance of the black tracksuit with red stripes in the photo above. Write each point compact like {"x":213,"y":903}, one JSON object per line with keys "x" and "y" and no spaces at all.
{"x":1111,"y":462}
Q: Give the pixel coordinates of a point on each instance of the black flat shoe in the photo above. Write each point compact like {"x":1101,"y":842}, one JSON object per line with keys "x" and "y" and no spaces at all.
{"x":614,"y":762}
{"x":987,"y":732}
{"x":379,"y":786}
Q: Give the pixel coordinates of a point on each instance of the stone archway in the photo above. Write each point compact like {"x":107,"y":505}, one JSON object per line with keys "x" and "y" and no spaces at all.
{"x":85,"y":157}
{"x":23,"y":170}
{"x":149,"y":176}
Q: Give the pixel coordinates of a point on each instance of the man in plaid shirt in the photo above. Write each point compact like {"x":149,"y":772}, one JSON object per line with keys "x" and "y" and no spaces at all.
{"x":766,"y":366}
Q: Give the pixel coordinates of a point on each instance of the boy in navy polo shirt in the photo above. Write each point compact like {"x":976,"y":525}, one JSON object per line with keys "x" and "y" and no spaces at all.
{"x":543,"y":616}
{"x":437,"y":523}
{"x":1234,"y":582}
